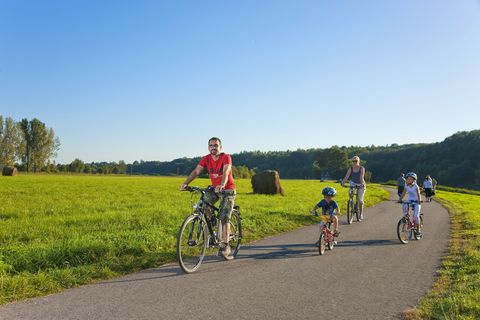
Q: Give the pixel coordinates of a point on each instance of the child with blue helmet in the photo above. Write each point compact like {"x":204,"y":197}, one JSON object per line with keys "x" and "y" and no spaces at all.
{"x":330,"y":207}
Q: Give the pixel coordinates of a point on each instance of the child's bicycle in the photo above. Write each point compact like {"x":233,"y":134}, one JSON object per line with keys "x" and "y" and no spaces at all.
{"x":326,"y":238}
{"x":199,"y":232}
{"x":407,"y":229}
{"x":353,"y":208}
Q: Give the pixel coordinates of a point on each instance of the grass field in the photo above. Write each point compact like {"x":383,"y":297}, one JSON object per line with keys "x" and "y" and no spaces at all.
{"x":456,"y":294}
{"x":61,"y":231}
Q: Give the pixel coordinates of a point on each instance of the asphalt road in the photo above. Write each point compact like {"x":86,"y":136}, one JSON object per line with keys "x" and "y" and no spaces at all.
{"x":368,"y":275}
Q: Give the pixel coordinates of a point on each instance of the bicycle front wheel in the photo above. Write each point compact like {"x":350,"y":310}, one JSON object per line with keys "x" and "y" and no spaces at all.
{"x":350,"y":211}
{"x":403,"y":231}
{"x":191,"y":243}
{"x":322,"y":244}
{"x":235,"y":237}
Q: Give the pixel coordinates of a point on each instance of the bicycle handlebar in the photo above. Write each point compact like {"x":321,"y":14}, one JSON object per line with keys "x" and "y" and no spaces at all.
{"x":194,"y":189}
{"x":201,"y":190}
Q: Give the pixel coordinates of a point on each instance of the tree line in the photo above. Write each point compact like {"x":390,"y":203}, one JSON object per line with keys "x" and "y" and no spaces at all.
{"x":452,"y":162}
{"x":29,"y":144}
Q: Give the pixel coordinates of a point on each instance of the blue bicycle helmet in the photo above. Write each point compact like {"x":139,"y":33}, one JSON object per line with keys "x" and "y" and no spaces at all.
{"x":411,"y":174}
{"x":329,"y":191}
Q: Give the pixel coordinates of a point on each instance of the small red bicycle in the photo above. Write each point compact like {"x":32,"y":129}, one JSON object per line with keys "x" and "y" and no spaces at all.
{"x":326,"y":235}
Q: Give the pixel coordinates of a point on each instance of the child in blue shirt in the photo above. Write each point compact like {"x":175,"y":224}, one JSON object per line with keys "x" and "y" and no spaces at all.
{"x":330,"y":207}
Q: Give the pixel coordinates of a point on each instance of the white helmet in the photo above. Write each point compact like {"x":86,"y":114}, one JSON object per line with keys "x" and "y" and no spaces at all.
{"x":411,"y":174}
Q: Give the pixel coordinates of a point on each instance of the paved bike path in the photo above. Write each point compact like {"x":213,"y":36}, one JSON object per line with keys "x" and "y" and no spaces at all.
{"x":368,"y":275}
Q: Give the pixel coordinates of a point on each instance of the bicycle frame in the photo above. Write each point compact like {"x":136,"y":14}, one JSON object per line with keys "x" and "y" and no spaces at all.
{"x":200,"y":209}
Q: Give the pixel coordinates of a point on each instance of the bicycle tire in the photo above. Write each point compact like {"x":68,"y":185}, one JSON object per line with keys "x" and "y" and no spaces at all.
{"x":321,"y":244}
{"x":403,"y":231}
{"x":235,"y":238}
{"x":350,"y":211}
{"x":192,"y":243}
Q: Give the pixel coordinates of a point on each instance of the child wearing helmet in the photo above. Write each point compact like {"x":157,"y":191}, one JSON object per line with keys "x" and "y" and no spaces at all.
{"x":330,"y":207}
{"x":413,"y":190}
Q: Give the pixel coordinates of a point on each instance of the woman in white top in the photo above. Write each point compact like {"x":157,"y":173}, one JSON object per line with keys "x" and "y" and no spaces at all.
{"x":413,"y":190}
{"x":428,"y":187}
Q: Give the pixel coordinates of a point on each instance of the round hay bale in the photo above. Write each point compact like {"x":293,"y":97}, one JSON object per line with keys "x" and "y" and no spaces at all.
{"x":267,"y":182}
{"x":9,"y":171}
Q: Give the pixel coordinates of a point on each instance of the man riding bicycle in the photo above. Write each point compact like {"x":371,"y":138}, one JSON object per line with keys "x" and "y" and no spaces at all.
{"x":219,"y":167}
{"x":356,"y":175}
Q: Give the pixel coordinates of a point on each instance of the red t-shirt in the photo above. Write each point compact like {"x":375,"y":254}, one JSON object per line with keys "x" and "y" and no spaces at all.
{"x":215,"y":169}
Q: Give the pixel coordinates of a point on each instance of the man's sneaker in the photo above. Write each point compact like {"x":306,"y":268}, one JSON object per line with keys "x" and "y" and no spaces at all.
{"x":336,"y":233}
{"x":226,"y":250}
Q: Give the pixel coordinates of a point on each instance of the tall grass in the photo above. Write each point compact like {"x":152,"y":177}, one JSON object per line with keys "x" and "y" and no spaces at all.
{"x":61,"y":231}
{"x":456,"y":294}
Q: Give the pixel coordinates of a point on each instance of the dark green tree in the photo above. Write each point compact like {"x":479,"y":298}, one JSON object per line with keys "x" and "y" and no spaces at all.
{"x":77,"y":166}
{"x":41,"y":144}
{"x":331,"y":163}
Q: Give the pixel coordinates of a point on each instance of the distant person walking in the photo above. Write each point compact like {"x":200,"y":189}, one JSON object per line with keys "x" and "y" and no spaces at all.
{"x":400,"y":185}
{"x":428,"y":187}
{"x":434,"y":182}
{"x":219,"y":167}
{"x":356,"y":175}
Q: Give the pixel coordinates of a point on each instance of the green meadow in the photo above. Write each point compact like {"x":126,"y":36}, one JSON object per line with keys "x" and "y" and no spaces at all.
{"x":456,"y":294}
{"x":60,"y":231}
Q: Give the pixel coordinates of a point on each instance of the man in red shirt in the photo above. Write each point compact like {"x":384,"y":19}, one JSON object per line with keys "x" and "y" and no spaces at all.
{"x":219,"y":167}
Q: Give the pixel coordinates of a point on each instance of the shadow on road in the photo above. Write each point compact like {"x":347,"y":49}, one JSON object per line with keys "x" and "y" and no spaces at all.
{"x":281,"y":251}
{"x":377,"y":242}
{"x":161,"y":272}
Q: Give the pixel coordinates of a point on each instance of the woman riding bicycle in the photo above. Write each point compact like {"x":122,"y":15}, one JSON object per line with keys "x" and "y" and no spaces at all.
{"x":414,"y":197}
{"x":356,"y":175}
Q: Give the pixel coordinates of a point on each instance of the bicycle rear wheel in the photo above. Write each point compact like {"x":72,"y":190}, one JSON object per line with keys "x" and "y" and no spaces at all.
{"x":235,"y":237}
{"x":403,"y":231}
{"x":350,"y":211}
{"x":322,"y":245}
{"x":192,"y":242}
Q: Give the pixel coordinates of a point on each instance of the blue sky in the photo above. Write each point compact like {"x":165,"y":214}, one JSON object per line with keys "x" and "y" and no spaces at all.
{"x":153,"y":80}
